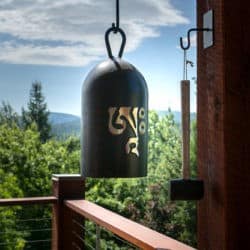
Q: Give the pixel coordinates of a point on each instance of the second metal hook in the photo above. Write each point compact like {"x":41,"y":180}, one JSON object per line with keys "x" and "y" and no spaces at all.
{"x":188,"y":37}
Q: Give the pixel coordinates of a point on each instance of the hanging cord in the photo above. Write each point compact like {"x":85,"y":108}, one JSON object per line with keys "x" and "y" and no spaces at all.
{"x":115,"y":28}
{"x":184,"y":64}
{"x":117,"y":24}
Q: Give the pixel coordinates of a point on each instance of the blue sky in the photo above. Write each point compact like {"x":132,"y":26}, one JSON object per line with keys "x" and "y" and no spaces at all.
{"x":57,"y":42}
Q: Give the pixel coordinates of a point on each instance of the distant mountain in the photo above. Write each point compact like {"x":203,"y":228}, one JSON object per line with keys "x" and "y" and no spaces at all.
{"x":65,"y":125}
{"x":59,"y":118}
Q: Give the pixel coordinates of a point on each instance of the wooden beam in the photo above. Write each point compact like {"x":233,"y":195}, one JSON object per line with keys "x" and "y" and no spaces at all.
{"x":223,"y":127}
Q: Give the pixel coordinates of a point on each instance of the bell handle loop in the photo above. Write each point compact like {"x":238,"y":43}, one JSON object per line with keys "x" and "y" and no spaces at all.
{"x":122,"y":33}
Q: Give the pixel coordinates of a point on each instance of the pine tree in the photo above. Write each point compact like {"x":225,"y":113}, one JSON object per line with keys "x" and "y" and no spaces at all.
{"x":8,"y":115}
{"x":37,"y":112}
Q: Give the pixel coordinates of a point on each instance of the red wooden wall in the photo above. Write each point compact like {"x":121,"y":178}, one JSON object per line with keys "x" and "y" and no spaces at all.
{"x":224,"y":127}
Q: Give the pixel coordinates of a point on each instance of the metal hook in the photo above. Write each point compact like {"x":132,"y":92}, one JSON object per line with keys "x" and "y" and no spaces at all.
{"x":188,"y":37}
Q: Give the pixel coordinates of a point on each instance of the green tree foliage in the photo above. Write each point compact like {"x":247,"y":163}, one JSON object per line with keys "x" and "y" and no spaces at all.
{"x":37,"y":112}
{"x":193,"y":149}
{"x":26,"y":168}
{"x":8,"y":189}
{"x":27,"y":164}
{"x":32,"y":162}
{"x":8,"y":115}
{"x":145,"y":200}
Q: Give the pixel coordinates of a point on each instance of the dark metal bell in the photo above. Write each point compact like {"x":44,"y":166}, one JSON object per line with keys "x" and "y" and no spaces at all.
{"x":114,"y":121}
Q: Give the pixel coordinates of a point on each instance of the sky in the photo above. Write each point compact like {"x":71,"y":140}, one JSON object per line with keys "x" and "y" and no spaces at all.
{"x":57,"y":42}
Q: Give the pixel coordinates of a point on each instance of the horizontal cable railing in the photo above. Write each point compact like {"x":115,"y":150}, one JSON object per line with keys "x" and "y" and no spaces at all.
{"x":130,"y":235}
{"x":26,"y":223}
{"x":28,"y":201}
{"x":96,"y":237}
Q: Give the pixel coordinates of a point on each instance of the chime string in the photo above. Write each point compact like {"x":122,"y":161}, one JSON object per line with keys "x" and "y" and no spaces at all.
{"x":117,"y":24}
{"x":184,"y":64}
{"x":117,"y":14}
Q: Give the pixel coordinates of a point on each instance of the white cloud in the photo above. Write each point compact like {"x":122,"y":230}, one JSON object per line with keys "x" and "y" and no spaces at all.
{"x":47,"y":55}
{"x":70,"y":32}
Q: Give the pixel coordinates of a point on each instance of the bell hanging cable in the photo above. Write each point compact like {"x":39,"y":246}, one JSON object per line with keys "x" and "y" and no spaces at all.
{"x":115,"y":28}
{"x":117,"y":24}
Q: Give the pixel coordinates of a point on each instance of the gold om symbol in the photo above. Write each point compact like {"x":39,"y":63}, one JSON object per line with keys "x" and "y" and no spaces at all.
{"x":123,"y":116}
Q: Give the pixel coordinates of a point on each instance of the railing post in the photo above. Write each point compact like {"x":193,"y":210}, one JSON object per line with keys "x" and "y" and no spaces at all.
{"x":64,"y":227}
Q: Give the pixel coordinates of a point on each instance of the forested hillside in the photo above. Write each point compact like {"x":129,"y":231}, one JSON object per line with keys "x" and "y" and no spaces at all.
{"x":65,"y":125}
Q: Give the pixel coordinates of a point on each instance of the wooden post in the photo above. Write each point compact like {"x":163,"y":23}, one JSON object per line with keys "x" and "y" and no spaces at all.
{"x":224,"y":127}
{"x":66,"y":223}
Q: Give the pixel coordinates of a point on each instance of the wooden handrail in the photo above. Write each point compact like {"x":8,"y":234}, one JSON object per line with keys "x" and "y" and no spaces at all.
{"x":131,"y":231}
{"x":28,"y":201}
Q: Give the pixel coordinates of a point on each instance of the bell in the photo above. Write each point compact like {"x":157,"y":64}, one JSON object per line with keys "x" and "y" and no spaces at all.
{"x":114,"y":121}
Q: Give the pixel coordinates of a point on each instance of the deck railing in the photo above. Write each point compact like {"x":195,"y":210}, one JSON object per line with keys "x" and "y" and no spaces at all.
{"x":28,"y":201}
{"x":71,"y":217}
{"x":130,"y":231}
{"x":25,"y":223}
